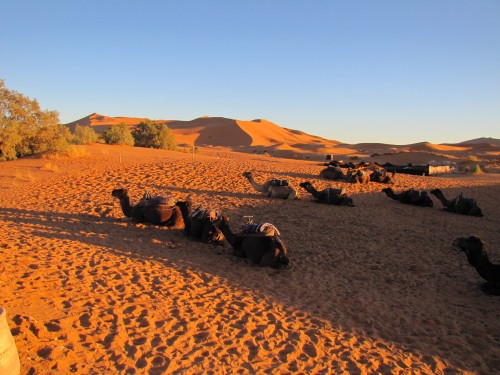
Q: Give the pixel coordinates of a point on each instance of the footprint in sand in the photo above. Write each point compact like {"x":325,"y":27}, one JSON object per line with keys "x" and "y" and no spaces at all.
{"x":85,"y":320}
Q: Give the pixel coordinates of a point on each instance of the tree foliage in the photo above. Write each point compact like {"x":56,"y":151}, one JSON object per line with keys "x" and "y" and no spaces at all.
{"x":84,"y":135}
{"x":118,"y":135}
{"x":25,"y":129}
{"x":155,"y":135}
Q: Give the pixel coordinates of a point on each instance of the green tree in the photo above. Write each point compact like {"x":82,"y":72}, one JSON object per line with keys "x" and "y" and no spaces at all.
{"x":118,"y":135}
{"x":84,"y":135}
{"x":155,"y":135}
{"x":25,"y":129}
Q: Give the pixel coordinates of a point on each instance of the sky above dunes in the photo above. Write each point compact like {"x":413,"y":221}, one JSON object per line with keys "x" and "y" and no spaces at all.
{"x":385,"y":71}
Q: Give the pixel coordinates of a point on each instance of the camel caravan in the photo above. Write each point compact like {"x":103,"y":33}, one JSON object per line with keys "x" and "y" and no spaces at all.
{"x":261,"y":242}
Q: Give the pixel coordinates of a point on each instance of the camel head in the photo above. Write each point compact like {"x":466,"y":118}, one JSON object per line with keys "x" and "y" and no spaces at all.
{"x":119,"y":193}
{"x":281,"y":254}
{"x":346,"y":201}
{"x":473,"y":247}
{"x":247,"y":174}
{"x":306,"y":185}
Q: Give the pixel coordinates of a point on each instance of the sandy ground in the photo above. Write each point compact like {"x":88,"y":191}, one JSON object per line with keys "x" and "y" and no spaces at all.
{"x":376,"y":288}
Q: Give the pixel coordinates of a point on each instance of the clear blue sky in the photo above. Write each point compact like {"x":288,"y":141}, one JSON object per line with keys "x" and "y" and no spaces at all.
{"x":388,"y":71}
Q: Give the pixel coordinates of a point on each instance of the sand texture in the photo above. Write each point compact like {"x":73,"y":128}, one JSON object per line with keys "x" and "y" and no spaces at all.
{"x":375,"y":288}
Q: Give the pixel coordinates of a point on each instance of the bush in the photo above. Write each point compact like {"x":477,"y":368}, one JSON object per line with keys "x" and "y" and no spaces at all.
{"x":155,"y":135}
{"x":84,"y":135}
{"x":476,"y":170}
{"x":118,"y":135}
{"x":25,"y":129}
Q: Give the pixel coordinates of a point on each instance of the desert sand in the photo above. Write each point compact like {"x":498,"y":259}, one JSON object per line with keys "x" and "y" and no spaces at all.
{"x":375,"y":288}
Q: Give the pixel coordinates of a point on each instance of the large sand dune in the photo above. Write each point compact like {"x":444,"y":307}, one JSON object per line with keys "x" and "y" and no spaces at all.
{"x":372,"y":289}
{"x":262,"y":136}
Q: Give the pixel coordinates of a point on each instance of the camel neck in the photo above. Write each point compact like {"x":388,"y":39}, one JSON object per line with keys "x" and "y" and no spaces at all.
{"x":126,"y":206}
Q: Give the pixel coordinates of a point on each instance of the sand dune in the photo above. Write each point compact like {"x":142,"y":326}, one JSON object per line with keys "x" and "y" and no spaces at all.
{"x":259,"y":136}
{"x":372,"y":289}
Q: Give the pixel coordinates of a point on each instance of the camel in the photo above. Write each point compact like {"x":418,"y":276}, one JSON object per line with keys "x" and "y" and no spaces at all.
{"x":328,"y":195}
{"x":411,"y":196}
{"x":273,"y":188}
{"x":335,"y":173}
{"x":353,"y":175}
{"x":359,"y":177}
{"x":201,"y":224}
{"x":260,"y":243}
{"x":382,"y":177}
{"x":477,"y":255}
{"x":151,"y":210}
{"x":459,"y":205}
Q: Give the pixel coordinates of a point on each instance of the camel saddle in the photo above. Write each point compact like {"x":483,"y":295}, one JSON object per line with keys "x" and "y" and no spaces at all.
{"x":158,"y":209}
{"x":165,"y":200}
{"x":277,"y":182}
{"x":159,"y":214}
{"x":201,"y":214}
{"x":415,"y":195}
{"x":266,"y":229}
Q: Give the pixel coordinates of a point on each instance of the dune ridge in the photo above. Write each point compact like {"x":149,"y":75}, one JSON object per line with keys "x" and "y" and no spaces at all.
{"x":263,"y":136}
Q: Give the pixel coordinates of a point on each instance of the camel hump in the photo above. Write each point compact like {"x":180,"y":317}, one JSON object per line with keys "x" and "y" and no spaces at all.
{"x":266,"y":229}
{"x":202,"y":214}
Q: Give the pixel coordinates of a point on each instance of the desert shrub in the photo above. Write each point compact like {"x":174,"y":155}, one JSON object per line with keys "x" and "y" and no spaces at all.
{"x":155,"y":135}
{"x":25,"y":129}
{"x":472,"y":158}
{"x":84,"y":135}
{"x":476,"y":170}
{"x":118,"y":135}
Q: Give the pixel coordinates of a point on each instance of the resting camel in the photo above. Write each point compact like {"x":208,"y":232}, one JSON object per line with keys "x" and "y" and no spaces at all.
{"x":354,"y":176}
{"x":202,"y":224}
{"x":477,"y":255}
{"x":260,"y":243}
{"x":328,"y":195}
{"x":335,"y":173}
{"x":359,"y":177}
{"x":382,"y":177}
{"x":156,"y":210}
{"x":411,"y":196}
{"x":459,"y":205}
{"x":273,"y":188}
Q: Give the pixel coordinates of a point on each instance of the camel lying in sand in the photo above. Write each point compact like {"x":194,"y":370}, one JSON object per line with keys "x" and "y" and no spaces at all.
{"x":477,"y":255}
{"x":382,"y":177}
{"x":354,"y":176}
{"x":273,"y":188}
{"x":260,"y":243}
{"x":154,"y":210}
{"x":459,"y":205}
{"x":410,"y":196}
{"x":202,"y":224}
{"x":328,"y":195}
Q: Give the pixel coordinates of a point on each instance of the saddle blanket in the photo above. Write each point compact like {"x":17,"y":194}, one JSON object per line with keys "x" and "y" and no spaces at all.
{"x":201,"y":214}
{"x":265,"y":228}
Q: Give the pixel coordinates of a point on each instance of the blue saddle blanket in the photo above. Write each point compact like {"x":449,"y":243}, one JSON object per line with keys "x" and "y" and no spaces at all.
{"x":265,"y":228}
